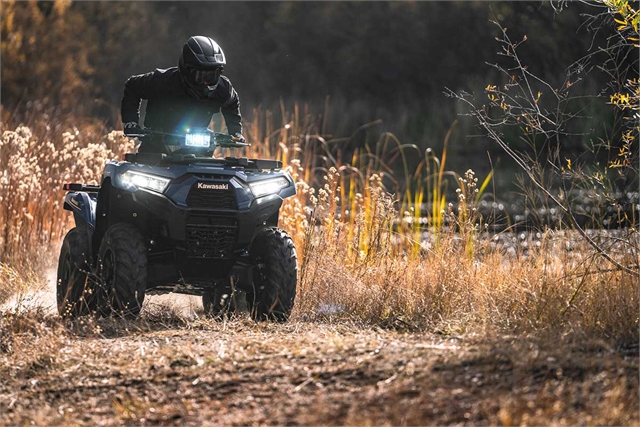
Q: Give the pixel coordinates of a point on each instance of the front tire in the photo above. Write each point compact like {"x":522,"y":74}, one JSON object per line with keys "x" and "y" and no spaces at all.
{"x":123,"y":268}
{"x":275,"y":277}
{"x":74,"y":295}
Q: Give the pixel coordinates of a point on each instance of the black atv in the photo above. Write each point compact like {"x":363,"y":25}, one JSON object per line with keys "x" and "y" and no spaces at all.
{"x":173,"y":218}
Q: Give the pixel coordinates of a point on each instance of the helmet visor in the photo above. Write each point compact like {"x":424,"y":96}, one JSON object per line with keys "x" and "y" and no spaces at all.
{"x":205,"y":77}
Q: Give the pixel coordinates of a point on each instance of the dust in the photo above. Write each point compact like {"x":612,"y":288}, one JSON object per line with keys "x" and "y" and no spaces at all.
{"x":42,"y":295}
{"x":184,"y":305}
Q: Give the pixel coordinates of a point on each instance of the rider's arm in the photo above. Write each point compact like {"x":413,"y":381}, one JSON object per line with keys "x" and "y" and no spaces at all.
{"x":136,"y":88}
{"x":231,"y":110}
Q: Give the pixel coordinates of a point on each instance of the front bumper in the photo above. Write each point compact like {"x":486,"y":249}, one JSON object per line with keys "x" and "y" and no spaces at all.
{"x":207,"y":233}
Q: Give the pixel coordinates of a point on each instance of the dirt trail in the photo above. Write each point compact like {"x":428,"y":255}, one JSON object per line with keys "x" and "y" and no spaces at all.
{"x":37,"y":296}
{"x":172,"y":372}
{"x":174,"y":367}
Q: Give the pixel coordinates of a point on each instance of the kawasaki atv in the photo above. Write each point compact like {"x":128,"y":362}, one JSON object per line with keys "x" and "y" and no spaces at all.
{"x":173,"y":218}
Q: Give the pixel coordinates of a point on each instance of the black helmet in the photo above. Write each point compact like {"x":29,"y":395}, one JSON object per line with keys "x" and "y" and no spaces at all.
{"x":201,"y":64}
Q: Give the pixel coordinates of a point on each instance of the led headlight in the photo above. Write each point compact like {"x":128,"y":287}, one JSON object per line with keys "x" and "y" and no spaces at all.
{"x":268,"y":186}
{"x":143,"y":180}
{"x":200,"y":140}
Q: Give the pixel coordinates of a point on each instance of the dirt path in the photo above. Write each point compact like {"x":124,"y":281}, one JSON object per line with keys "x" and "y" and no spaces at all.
{"x":173,"y":367}
{"x":241,"y":373}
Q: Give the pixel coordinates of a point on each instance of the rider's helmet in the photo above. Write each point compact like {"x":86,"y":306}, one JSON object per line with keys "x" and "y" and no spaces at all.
{"x":201,"y":64}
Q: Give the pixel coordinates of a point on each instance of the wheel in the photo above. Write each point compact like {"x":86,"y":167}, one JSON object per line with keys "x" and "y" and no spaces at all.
{"x":275,"y":277}
{"x":74,"y":293}
{"x":123,"y":270}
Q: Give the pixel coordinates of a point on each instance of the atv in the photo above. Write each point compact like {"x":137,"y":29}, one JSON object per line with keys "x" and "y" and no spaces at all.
{"x":174,"y":218}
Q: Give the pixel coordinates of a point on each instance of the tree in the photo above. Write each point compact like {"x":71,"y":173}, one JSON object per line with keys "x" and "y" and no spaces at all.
{"x":525,"y":106}
{"x":46,"y":51}
{"x":72,"y":58}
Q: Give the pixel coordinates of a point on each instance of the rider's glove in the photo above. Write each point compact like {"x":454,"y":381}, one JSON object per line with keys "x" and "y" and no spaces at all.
{"x":132,"y":128}
{"x":237,"y":137}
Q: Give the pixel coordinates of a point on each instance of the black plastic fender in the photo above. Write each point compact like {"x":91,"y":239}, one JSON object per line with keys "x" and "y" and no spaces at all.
{"x":83,"y":205}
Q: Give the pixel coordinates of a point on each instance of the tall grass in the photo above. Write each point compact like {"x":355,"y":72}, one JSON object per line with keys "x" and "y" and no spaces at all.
{"x":367,"y":254}
{"x":359,"y":226}
{"x":34,"y":163}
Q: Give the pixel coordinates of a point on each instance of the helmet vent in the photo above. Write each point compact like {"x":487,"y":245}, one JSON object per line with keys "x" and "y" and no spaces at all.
{"x":195,"y":46}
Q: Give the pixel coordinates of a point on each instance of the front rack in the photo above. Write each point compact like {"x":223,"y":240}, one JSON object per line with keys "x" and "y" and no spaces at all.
{"x":161,"y":158}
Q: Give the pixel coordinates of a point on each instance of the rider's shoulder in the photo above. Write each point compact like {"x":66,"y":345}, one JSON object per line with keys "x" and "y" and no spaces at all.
{"x":225,"y":82}
{"x":167,"y":73}
{"x":224,"y":88}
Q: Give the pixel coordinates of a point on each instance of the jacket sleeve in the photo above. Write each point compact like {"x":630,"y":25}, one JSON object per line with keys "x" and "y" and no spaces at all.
{"x":231,"y":111}
{"x":136,"y":88}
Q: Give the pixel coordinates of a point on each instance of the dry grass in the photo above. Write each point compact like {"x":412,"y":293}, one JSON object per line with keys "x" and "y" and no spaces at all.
{"x":34,"y":166}
{"x":426,"y":326}
{"x":461,"y":280}
{"x":360,"y":258}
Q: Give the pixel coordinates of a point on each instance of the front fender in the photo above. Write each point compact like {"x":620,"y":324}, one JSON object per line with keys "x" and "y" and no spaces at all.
{"x":83,"y":206}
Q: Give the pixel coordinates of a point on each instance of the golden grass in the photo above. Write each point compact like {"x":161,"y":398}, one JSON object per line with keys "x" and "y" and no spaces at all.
{"x":364,"y":255}
{"x":34,"y":166}
{"x":451,"y":289}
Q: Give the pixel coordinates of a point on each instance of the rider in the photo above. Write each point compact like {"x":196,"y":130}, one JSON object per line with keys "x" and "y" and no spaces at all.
{"x":184,"y":96}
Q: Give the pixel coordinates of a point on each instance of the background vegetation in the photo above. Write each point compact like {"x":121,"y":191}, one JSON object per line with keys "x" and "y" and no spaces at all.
{"x":398,"y":220}
{"x":388,"y":61}
{"x":376,"y":141}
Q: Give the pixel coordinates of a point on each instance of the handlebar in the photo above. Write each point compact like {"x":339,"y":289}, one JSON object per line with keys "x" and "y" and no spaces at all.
{"x":222,"y":140}
{"x":226,"y":141}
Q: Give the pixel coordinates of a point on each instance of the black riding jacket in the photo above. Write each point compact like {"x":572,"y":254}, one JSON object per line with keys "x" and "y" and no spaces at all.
{"x":171,"y":109}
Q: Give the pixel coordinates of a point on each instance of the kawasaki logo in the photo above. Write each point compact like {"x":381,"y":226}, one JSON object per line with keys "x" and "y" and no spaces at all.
{"x":203,"y":186}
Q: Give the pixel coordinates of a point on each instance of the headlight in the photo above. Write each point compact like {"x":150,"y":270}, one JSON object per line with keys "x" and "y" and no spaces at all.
{"x":142,"y":180}
{"x":268,"y":186}
{"x":200,"y":140}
